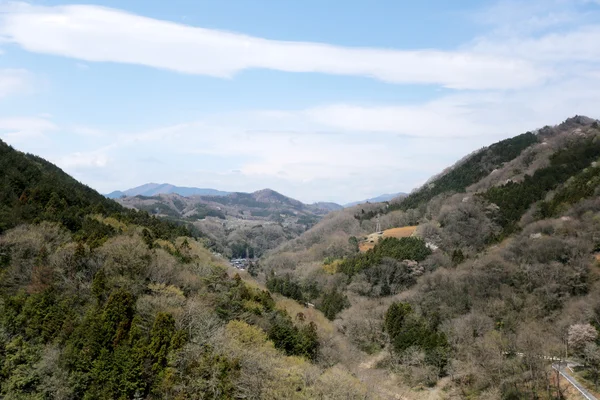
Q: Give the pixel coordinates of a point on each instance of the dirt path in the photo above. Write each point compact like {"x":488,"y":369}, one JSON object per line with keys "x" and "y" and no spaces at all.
{"x":371,"y":362}
{"x":386,"y":385}
{"x":382,"y":384}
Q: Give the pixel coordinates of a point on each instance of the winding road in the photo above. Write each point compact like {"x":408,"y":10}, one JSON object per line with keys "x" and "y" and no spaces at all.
{"x":563,"y":369}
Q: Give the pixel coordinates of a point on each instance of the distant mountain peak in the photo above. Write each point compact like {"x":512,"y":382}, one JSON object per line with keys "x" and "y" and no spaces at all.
{"x":266,"y":195}
{"x":378,"y":199}
{"x":154,"y":189}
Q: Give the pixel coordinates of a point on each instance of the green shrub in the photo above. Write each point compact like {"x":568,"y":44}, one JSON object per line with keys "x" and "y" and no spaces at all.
{"x":409,"y":248}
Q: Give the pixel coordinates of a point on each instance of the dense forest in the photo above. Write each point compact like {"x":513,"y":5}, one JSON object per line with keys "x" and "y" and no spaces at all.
{"x":33,"y":190}
{"x":100,"y":302}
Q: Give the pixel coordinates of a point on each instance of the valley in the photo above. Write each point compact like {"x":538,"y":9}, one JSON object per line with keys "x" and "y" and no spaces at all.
{"x":475,"y":285}
{"x":299,"y":200}
{"x":236,"y":224}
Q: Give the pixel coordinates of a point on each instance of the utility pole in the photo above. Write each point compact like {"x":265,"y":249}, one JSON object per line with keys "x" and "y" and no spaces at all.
{"x":378,"y":230}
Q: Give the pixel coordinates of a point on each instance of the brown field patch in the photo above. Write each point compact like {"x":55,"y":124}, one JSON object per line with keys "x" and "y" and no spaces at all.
{"x":405,"y":231}
{"x":373,"y":238}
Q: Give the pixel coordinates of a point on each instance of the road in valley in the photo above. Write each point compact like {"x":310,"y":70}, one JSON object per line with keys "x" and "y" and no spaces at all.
{"x":563,"y":369}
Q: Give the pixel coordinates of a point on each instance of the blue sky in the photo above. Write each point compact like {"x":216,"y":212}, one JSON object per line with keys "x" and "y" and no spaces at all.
{"x":320,"y":100}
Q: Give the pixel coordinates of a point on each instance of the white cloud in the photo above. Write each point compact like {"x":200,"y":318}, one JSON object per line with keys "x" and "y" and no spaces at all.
{"x":13,"y":81}
{"x":87,"y":131}
{"x":307,"y":164}
{"x":577,"y":45}
{"x":22,"y":129}
{"x":447,"y":117}
{"x":513,"y":16}
{"x":362,"y":158}
{"x":94,"y":33}
{"x":341,"y":151}
{"x":364,"y":151}
{"x":83,"y":160}
{"x":373,"y":145}
{"x":544,"y":32}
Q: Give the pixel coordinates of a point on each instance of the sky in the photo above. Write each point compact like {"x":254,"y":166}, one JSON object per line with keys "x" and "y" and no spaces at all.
{"x":336,"y":100}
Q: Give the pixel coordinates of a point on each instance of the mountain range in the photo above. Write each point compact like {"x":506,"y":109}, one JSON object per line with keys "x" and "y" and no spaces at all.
{"x":378,"y":199}
{"x":153,"y":189}
{"x":481,"y":281}
{"x":234,"y":222}
{"x":259,"y":204}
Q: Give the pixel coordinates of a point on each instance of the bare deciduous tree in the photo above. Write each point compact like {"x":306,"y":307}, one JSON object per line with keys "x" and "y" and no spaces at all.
{"x":580,"y":335}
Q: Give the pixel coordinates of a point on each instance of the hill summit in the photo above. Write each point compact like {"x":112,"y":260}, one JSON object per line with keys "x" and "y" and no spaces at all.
{"x":153,"y":189}
{"x":237,"y":224}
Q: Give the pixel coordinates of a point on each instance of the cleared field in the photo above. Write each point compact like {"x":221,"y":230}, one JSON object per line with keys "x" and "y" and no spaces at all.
{"x":405,"y":231}
{"x":398,"y":233}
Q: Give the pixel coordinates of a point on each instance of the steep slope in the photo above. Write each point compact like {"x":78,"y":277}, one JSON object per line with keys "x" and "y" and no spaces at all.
{"x":136,"y":310}
{"x":31,"y":188}
{"x":469,"y":171}
{"x":502,"y":268}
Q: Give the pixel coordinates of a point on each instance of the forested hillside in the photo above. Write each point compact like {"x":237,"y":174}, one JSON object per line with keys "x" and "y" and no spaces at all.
{"x":236,"y":224}
{"x":99,"y":302}
{"x":496,"y":280}
{"x":34,"y":190}
{"x":499,"y":280}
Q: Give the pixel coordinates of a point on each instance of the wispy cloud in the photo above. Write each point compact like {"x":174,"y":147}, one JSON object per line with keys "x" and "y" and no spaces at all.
{"x":538,"y":64}
{"x":507,"y":17}
{"x":94,"y":33}
{"x":22,"y":129}
{"x":577,"y":45}
{"x":469,"y":115}
{"x":13,"y":81}
{"x":306,"y":164}
{"x":446,"y":117}
{"x":83,"y":160}
{"x":544,"y":32}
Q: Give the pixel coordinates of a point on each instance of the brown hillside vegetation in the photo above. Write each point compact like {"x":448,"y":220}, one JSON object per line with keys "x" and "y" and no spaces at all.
{"x":488,"y":274}
{"x":515,"y":233}
{"x":99,"y":302}
{"x":238,"y":222}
